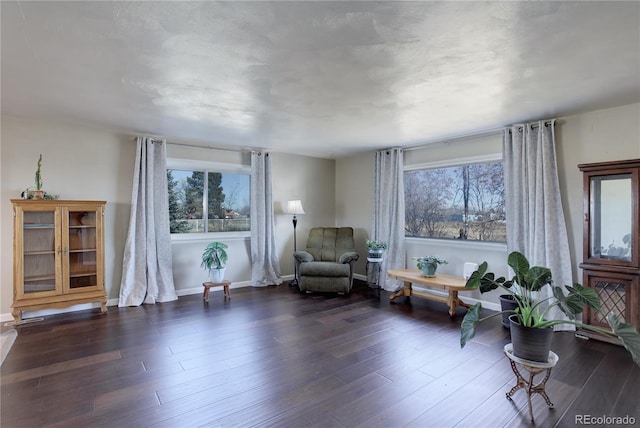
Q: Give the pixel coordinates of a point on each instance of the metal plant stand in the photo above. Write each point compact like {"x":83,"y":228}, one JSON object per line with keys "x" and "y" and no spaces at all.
{"x":374,"y":266}
{"x":533,"y":368}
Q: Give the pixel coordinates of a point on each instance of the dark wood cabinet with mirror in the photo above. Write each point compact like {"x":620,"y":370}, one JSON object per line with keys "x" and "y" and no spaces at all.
{"x":611,"y":240}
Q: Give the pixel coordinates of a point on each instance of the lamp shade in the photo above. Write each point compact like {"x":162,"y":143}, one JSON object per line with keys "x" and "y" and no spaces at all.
{"x":295,"y":207}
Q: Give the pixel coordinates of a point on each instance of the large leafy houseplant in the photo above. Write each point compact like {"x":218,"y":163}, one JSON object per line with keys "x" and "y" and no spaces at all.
{"x":532,"y":311}
{"x":214,"y":260}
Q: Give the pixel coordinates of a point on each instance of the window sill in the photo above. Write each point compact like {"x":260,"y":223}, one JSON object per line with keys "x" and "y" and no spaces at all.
{"x":213,"y":236}
{"x":459,"y":243}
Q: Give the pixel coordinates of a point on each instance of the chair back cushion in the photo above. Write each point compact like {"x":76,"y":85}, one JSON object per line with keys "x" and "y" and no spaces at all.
{"x":327,"y":244}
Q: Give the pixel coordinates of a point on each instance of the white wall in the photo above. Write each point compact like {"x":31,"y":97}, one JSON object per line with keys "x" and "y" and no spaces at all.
{"x":354,"y":200}
{"x":598,"y":136}
{"x":312,"y":180}
{"x":611,"y":134}
{"x":77,"y":163}
{"x":87,"y":163}
{"x":293,"y":177}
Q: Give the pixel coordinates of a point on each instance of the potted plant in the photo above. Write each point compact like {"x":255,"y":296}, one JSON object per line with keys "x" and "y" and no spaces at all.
{"x":214,"y":260}
{"x":508,"y":305}
{"x":376,"y":249}
{"x":428,"y":265}
{"x":38,"y":192}
{"x":531,"y":318}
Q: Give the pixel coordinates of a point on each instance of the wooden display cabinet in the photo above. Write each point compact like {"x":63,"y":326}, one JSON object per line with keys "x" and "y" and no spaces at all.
{"x":58,"y":254}
{"x":611,"y":240}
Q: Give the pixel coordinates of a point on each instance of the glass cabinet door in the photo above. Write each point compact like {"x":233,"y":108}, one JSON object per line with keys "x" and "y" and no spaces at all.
{"x":81,"y":249}
{"x":611,"y":217}
{"x":39,"y":252}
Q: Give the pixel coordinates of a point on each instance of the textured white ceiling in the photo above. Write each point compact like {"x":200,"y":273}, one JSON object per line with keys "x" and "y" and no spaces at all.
{"x":316,"y":78}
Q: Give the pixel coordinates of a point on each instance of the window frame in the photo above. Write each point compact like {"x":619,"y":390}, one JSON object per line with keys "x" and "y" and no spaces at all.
{"x":209,"y":166}
{"x":449,"y":163}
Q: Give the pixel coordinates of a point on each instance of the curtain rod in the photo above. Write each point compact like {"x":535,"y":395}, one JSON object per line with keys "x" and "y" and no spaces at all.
{"x":456,"y":138}
{"x":213,"y":147}
{"x":201,"y":147}
{"x":476,"y":135}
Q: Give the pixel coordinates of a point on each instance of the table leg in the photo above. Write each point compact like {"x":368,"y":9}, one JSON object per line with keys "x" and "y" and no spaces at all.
{"x":205,"y":296}
{"x":406,"y":291}
{"x":453,"y":302}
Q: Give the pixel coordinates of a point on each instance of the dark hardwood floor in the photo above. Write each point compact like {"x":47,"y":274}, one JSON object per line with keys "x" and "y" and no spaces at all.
{"x":273,"y":357}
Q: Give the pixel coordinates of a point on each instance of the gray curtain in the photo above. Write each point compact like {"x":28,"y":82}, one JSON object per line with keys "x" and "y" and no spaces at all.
{"x":147,"y":274}
{"x":535,"y":219}
{"x":265,"y":265}
{"x":388,"y":212}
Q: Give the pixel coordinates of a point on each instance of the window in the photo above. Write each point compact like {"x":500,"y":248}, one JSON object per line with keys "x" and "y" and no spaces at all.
{"x":457,"y":202}
{"x":222,"y":198}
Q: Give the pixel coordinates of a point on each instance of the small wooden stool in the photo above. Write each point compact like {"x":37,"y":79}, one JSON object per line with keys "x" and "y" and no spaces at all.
{"x":208,"y":285}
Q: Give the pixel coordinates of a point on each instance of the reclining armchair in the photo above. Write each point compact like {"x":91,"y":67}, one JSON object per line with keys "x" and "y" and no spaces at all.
{"x":327,"y":265}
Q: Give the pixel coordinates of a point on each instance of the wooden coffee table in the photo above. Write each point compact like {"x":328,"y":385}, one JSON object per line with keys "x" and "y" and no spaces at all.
{"x":452,"y":284}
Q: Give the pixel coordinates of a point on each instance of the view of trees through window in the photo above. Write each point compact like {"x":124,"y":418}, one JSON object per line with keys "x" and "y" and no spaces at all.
{"x":461,"y":202}
{"x":221,"y":198}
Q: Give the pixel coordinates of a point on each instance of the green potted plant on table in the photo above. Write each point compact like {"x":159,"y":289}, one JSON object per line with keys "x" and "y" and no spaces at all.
{"x":428,"y":265}
{"x":376,"y":249}
{"x":530,"y":317}
{"x":214,"y":260}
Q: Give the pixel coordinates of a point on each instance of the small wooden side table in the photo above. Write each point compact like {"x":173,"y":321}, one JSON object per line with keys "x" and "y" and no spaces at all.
{"x":533,"y":368}
{"x":208,"y":285}
{"x":450,"y":283}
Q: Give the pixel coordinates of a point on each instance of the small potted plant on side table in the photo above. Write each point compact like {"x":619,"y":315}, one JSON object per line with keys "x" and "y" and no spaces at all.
{"x":376,"y":249}
{"x":428,"y":265}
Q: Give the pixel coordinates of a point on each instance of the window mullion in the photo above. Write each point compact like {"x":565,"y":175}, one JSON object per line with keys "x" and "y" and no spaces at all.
{"x":205,"y":202}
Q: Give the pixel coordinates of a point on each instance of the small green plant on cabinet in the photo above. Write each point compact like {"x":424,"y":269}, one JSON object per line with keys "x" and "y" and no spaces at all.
{"x":38,"y":178}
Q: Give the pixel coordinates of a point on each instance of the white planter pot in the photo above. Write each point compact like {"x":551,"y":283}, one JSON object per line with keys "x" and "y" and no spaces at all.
{"x":216,"y":275}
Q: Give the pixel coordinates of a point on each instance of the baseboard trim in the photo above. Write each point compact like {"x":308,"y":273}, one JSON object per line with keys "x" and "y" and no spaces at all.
{"x":198,"y":290}
{"x":110,"y":302}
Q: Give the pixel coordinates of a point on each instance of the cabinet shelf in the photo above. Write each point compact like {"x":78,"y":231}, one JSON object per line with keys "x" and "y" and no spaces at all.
{"x":39,"y":226}
{"x":39,"y":253}
{"x":39,"y":278}
{"x":81,"y":274}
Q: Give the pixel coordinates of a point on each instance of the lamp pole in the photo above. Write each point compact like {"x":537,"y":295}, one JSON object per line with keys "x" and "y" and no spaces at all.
{"x":295,"y":223}
{"x":295,"y":207}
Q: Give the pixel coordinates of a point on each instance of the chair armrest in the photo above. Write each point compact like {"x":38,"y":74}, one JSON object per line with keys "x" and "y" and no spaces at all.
{"x":302,"y":256}
{"x":349,"y":257}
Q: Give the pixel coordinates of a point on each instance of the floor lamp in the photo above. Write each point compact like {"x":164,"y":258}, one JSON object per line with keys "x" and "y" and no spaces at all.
{"x":294,"y":207}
